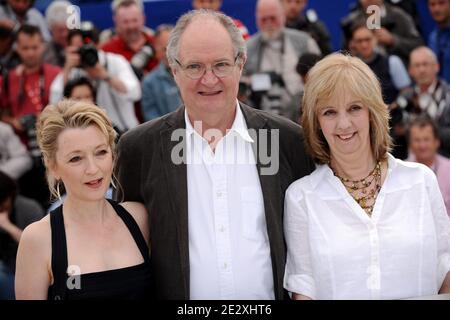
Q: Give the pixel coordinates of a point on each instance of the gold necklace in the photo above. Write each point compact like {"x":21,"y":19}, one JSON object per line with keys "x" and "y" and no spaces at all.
{"x":364,"y":191}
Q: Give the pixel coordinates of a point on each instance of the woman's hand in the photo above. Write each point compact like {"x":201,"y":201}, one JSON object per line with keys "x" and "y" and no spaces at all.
{"x":297,"y":296}
{"x":445,"y":288}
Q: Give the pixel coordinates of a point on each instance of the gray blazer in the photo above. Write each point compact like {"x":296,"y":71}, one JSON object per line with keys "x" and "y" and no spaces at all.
{"x":300,"y":40}
{"x":147,"y":174}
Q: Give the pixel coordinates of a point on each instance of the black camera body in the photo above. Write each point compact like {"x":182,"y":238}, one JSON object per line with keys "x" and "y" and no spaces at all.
{"x":140,"y":60}
{"x":28,"y":123}
{"x":88,"y":55}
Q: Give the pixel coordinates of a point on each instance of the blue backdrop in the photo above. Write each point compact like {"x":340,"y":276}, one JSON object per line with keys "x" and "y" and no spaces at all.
{"x":168,"y":11}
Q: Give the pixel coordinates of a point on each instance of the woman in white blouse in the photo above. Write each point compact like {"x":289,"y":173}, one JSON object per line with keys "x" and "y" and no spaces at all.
{"x":363,"y":225}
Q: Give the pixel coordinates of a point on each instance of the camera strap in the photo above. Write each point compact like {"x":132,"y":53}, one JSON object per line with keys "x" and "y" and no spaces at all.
{"x":5,"y":88}
{"x":21,"y":96}
{"x":264,"y":44}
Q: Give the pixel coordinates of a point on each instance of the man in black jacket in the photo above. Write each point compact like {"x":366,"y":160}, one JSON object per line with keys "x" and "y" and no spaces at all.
{"x":213,"y":174}
{"x":308,"y":21}
{"x":396,"y":32}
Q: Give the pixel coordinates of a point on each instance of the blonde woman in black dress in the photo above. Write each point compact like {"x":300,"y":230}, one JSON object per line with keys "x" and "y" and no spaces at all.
{"x":90,"y":247}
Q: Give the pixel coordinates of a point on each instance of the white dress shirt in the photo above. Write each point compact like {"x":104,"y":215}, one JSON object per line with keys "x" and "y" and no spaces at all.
{"x":229,"y":251}
{"x":336,"y":251}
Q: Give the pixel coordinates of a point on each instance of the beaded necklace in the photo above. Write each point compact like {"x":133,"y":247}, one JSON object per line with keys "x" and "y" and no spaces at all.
{"x":364,"y":191}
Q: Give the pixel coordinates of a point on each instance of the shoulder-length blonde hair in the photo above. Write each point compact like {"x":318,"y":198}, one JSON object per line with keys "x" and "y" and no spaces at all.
{"x":343,"y":72}
{"x":66,"y":114}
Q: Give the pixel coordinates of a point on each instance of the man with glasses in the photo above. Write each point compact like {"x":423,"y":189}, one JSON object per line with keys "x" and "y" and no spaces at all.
{"x":430,"y":95}
{"x":159,"y":91}
{"x":212,"y":174}
{"x":273,"y":54}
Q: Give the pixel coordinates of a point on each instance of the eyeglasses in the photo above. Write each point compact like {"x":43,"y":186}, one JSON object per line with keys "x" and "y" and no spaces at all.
{"x":197,"y":70}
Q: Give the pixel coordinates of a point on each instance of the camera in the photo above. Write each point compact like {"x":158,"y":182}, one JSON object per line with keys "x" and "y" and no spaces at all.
{"x":141,"y":58}
{"x":28,"y":123}
{"x":271,"y":99}
{"x":88,"y":55}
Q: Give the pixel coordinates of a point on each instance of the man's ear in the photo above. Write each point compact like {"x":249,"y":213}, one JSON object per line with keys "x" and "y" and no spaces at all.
{"x":175,"y":73}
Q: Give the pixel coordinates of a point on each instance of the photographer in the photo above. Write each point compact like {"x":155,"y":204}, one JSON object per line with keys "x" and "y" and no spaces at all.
{"x":131,"y":40}
{"x":273,"y":54}
{"x":25,"y":93}
{"x":116,"y":84}
{"x":26,"y":87}
{"x":160,"y":94}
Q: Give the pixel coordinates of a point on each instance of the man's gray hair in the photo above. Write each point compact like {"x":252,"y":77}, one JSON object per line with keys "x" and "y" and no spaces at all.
{"x":173,"y":47}
{"x":119,"y":3}
{"x":57,"y":12}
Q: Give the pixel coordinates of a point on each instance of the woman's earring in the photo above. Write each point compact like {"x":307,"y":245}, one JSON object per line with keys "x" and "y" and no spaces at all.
{"x":113,"y":184}
{"x":58,"y":182}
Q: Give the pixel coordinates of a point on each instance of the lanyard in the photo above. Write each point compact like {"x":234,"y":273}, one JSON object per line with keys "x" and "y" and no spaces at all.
{"x":21,"y":96}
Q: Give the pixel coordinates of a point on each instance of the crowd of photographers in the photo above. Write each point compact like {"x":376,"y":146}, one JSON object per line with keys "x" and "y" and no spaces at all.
{"x":125,"y":71}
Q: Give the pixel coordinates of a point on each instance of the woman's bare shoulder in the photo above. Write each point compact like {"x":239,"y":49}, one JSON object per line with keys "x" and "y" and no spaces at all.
{"x":140,"y":215}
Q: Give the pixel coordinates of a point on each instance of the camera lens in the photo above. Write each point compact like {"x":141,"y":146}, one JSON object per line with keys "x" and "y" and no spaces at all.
{"x":88,"y":55}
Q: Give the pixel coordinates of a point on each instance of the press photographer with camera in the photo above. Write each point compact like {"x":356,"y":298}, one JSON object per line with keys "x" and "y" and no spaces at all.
{"x":116,"y":84}
{"x":131,"y":39}
{"x":25,"y":92}
{"x":273,"y":54}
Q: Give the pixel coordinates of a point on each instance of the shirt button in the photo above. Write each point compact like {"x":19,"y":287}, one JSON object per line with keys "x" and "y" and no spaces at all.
{"x":225,"y":265}
{"x":219,"y":194}
{"x":221,"y":229}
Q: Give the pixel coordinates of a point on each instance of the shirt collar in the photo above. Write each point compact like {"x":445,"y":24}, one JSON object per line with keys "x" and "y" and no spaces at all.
{"x":429,"y":91}
{"x":239,"y":125}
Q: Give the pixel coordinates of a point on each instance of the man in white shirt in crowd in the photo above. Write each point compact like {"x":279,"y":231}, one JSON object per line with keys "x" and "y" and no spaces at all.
{"x":117,"y":85}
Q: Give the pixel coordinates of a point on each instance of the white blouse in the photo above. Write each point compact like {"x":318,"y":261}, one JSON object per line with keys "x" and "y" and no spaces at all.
{"x":336,"y":251}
